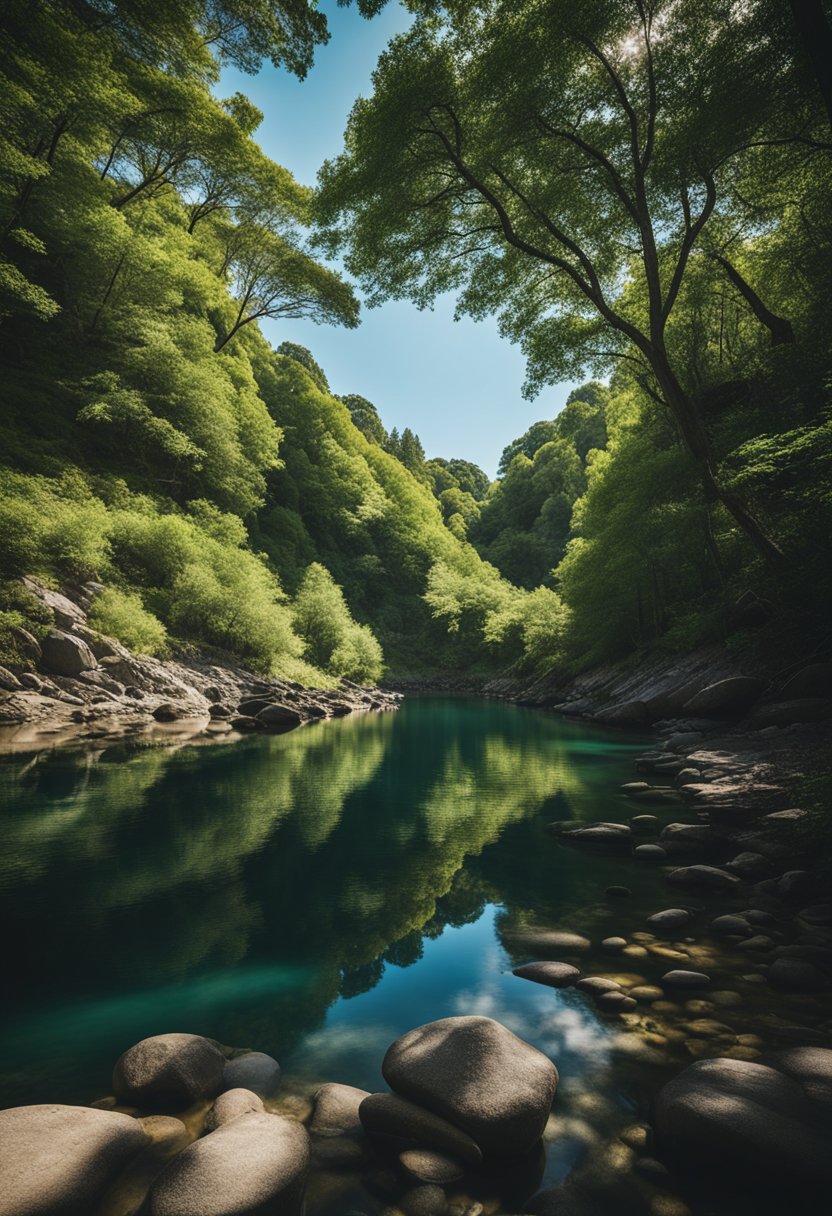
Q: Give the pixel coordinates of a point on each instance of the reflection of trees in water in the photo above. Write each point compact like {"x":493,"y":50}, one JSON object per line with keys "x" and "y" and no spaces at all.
{"x":336,"y":849}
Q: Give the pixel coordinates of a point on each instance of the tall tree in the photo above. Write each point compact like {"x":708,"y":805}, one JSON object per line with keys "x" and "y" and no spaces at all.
{"x":570,"y":196}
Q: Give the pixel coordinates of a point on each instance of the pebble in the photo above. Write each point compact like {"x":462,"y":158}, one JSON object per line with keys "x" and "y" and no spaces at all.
{"x":427,"y":1166}
{"x":595,"y":985}
{"x":669,"y":918}
{"x":636,"y":1136}
{"x":646,"y":993}
{"x":686,"y":979}
{"x":614,"y":944}
{"x":615,"y":1002}
{"x":428,"y":1200}
{"x":649,"y":852}
{"x":635,"y":951}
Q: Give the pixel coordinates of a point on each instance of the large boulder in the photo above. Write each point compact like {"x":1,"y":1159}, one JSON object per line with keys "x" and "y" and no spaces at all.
{"x":336,"y":1110}
{"x":255,"y":1071}
{"x":169,"y":1072}
{"x":59,"y":1160}
{"x":233,"y":1104}
{"x":65,"y":655}
{"x":748,"y":1118}
{"x":480,"y":1076}
{"x":279,"y":717}
{"x":729,"y":696}
{"x":391,"y":1115}
{"x":254,"y":1165}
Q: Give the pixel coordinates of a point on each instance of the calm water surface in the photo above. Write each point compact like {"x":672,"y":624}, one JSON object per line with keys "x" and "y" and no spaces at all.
{"x":311,"y":895}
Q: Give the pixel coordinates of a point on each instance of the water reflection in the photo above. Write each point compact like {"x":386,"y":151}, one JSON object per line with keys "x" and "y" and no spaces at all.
{"x":240,"y":890}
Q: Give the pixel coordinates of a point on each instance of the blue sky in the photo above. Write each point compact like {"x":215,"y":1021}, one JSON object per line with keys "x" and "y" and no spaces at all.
{"x":457,"y":384}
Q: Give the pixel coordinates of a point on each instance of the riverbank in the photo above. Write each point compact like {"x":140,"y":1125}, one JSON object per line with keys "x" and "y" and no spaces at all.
{"x":79,"y":684}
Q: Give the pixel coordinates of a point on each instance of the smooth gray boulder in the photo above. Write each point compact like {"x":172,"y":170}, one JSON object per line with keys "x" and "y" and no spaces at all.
{"x":669,"y":919}
{"x":279,"y":717}
{"x":62,"y":654}
{"x":59,"y":1160}
{"x":686,"y":979}
{"x":480,"y":1076}
{"x":392,"y":1115}
{"x":726,"y":696}
{"x":556,"y":975}
{"x":546,"y":941}
{"x":169,"y":1072}
{"x":426,"y":1165}
{"x":231,"y":1105}
{"x":336,"y":1110}
{"x":255,"y":1071}
{"x":745,"y":1117}
{"x":254,"y":1166}
{"x":707,"y":878}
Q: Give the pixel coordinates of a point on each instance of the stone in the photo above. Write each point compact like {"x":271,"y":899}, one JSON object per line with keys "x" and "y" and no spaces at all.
{"x":815,"y":680}
{"x":254,"y":1165}
{"x":392,"y":1115}
{"x":785,"y":713}
{"x":686,"y":979}
{"x":618,"y":892}
{"x":61,"y":1159}
{"x":613,"y":944}
{"x":255,"y":1071}
{"x":729,"y":696}
{"x":606,"y":835}
{"x":596,"y":985}
{"x":707,"y":878}
{"x":811,"y":1067}
{"x":339,"y":1152}
{"x":218,"y":711}
{"x":627,"y":713}
{"x":749,"y":866}
{"x":615,"y":1002}
{"x":9,"y":681}
{"x":634,"y":787}
{"x":645,"y":993}
{"x":556,"y":975}
{"x":62,"y":654}
{"x":689,"y":835}
{"x":167,"y":712}
{"x":785,"y":819}
{"x":279,"y":717}
{"x":231,"y":1105}
{"x":731,"y":926}
{"x":644,"y":824}
{"x":476,"y":1073}
{"x":795,"y":885}
{"x":336,"y":1110}
{"x":427,"y":1200}
{"x":649,"y":852}
{"x":426,"y":1165}
{"x":758,"y":941}
{"x":548,"y":941}
{"x":669,"y":919}
{"x":796,"y":975}
{"x":744,"y":1117}
{"x":168,"y":1071}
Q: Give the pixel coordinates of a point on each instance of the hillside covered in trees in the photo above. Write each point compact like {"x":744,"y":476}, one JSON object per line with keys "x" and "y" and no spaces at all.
{"x":227,"y":498}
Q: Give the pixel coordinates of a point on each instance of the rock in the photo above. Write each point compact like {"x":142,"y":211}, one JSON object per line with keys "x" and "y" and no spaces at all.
{"x":167,"y":712}
{"x":632,"y":788}
{"x":279,"y":717}
{"x":255,"y":1071}
{"x":686,"y":979}
{"x":646,"y":824}
{"x":729,"y":696}
{"x":749,"y":866}
{"x":615,"y":1002}
{"x":795,"y":975}
{"x":746,"y":1118}
{"x":613,"y":944}
{"x":689,"y":835}
{"x":9,"y":681}
{"x":731,"y":926}
{"x":817,"y":914}
{"x":336,"y":1110}
{"x":556,"y":975}
{"x":785,"y":713}
{"x":757,"y":941}
{"x":65,"y":655}
{"x":425,"y":1165}
{"x":796,"y":885}
{"x":339,"y":1152}
{"x":812,"y":681}
{"x":253,"y":1165}
{"x":246,"y":724}
{"x":476,"y":1073}
{"x":670,"y":919}
{"x":682,"y":740}
{"x":251,"y":707}
{"x":785,"y":819}
{"x":649,"y":852}
{"x":392,"y":1115}
{"x":61,"y":1159}
{"x":645,"y":993}
{"x":428,"y":1200}
{"x":618,"y":892}
{"x":168,"y":1071}
{"x":218,"y":711}
{"x":548,"y":941}
{"x":707,"y":878}
{"x":608,"y":835}
{"x":597,"y":985}
{"x":811,"y":1067}
{"x":25,"y":644}
{"x":231,"y":1105}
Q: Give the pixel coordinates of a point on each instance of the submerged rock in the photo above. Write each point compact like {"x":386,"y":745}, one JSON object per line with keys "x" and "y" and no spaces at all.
{"x":255,"y":1071}
{"x":556,"y":975}
{"x":168,"y":1071}
{"x":61,"y":1159}
{"x":392,"y":1115}
{"x":336,"y":1110}
{"x":480,"y":1076}
{"x":708,"y":878}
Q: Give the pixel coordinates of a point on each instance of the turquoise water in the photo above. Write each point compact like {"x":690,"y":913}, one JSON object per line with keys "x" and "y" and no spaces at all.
{"x":311,"y":895}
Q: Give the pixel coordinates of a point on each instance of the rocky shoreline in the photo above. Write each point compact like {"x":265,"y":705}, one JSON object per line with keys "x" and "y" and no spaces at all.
{"x":78,"y":684}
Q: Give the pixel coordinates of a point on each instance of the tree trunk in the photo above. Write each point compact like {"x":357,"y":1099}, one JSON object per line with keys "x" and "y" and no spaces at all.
{"x":816,"y":37}
{"x":780,"y":328}
{"x":698,"y":443}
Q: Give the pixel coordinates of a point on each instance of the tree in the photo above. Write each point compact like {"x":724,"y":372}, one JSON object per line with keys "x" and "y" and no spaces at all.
{"x":306,"y":359}
{"x":538,"y":193}
{"x":528,"y":443}
{"x":365,"y":416}
{"x":470,"y":478}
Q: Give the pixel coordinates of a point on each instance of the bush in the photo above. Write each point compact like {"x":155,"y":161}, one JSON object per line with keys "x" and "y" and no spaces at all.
{"x":122,"y":615}
{"x":332,"y":640}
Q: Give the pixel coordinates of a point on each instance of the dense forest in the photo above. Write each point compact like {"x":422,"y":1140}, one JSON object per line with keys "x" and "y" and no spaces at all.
{"x":646,"y":204}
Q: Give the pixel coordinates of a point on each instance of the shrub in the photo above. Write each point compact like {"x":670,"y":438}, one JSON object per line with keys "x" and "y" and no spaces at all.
{"x":122,"y":615}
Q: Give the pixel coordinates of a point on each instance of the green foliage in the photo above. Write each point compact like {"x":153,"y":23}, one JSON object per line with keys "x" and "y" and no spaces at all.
{"x":121,"y":614}
{"x":306,"y":359}
{"x":365,"y":416}
{"x":332,"y":640}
